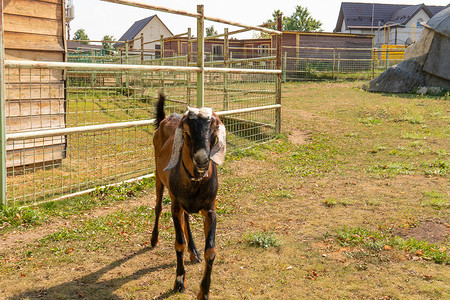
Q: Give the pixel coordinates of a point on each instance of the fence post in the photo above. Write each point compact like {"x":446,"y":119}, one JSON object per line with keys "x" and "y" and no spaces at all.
{"x":279,"y":76}
{"x":334,"y":62}
{"x":225,"y":75}
{"x":142,"y":48}
{"x":161,"y":56}
{"x":127,"y":45}
{"x":188,"y":62}
{"x":200,"y":56}
{"x":2,"y":113}
{"x":373,"y":63}
{"x":338,"y":66}
{"x":285,"y":67}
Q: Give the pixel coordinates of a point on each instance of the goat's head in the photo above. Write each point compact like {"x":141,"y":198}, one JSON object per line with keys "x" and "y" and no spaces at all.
{"x":202,"y":132}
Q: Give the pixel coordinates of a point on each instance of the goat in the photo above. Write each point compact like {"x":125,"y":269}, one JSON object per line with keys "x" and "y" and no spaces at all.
{"x":188,"y":149}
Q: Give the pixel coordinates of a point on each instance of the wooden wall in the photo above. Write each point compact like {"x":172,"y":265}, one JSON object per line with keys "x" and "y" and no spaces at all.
{"x":35,"y":99}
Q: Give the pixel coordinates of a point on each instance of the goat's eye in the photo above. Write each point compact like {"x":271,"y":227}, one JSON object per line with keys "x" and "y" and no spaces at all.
{"x":216,"y":140}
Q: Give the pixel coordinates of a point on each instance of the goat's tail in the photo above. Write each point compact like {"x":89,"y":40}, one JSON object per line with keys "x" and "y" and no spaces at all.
{"x":160,"y":114}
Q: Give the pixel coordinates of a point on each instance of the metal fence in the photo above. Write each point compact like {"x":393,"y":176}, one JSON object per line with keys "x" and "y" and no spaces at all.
{"x":72,"y":127}
{"x":313,"y":63}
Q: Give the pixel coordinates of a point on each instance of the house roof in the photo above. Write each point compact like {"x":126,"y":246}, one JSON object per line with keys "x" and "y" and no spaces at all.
{"x":359,"y":15}
{"x":76,"y":45}
{"x":137,"y":27}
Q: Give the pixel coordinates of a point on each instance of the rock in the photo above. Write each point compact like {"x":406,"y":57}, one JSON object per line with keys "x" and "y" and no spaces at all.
{"x":422,"y":90}
{"x":400,"y":78}
{"x":419,"y":50}
{"x":435,"y":90}
{"x":365,"y":87}
{"x":438,"y":58}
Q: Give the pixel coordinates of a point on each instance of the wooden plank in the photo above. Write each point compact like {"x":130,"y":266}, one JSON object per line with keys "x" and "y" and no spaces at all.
{"x":24,"y":24}
{"x":34,"y":107}
{"x":21,"y":124}
{"x":27,"y":76}
{"x":35,"y":155}
{"x":34,"y":143}
{"x":12,"y":54}
{"x":38,"y":9}
{"x":28,"y":41}
{"x":34,"y":91}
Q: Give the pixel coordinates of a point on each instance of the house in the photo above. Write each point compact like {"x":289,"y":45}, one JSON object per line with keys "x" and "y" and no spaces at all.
{"x":35,"y":99}
{"x":151,"y":29}
{"x":392,"y":24}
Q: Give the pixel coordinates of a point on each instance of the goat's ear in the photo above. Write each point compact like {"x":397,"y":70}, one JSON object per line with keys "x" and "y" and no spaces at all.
{"x":176,"y":149}
{"x":219,"y":148}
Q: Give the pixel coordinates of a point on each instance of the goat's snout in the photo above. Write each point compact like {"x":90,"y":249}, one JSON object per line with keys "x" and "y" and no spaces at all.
{"x":201,"y":161}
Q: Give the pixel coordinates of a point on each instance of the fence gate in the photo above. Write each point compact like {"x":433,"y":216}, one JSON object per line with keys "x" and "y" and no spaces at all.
{"x":69,"y":127}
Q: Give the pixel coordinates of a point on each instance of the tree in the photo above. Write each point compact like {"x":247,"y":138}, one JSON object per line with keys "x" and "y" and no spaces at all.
{"x":300,"y":20}
{"x":210,"y":31}
{"x":108,"y":46}
{"x":80,"y":35}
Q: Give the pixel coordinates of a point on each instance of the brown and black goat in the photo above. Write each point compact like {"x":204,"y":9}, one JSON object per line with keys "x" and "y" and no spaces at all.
{"x":188,"y":149}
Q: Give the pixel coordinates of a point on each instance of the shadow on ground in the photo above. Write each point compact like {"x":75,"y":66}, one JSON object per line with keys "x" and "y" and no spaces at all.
{"x":89,"y":287}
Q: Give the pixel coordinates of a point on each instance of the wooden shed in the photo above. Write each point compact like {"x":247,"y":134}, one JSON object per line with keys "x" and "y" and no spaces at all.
{"x":238,"y":49}
{"x":35,"y":99}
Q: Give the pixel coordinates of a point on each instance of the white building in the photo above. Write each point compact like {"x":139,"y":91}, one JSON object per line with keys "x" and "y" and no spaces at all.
{"x":393,"y":24}
{"x":151,"y":29}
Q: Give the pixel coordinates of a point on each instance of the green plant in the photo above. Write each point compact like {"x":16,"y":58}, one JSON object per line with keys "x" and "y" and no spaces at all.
{"x":264,"y":239}
{"x":435,"y":200}
{"x":26,"y":216}
{"x":377,"y":241}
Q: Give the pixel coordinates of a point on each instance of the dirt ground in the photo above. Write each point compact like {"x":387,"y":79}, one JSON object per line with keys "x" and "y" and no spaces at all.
{"x":302,"y":188}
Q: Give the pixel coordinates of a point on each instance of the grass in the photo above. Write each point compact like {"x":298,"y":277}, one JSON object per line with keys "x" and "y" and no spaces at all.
{"x":358,"y":210}
{"x":378,"y":241}
{"x":263,"y":239}
{"x":13,"y":217}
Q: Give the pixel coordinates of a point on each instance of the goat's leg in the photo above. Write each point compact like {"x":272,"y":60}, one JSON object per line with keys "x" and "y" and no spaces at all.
{"x":195,"y":255}
{"x":158,"y":209}
{"x":210,"y":252}
{"x":180,"y":246}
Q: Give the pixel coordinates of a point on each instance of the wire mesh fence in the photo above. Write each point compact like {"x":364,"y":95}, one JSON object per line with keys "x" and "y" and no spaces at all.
{"x":309,"y":63}
{"x":42,"y":100}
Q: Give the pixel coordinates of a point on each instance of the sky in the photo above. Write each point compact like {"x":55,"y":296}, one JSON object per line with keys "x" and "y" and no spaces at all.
{"x":99,"y":18}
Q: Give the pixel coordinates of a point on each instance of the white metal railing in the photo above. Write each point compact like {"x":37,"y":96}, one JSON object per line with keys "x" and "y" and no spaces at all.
{"x":69,"y":66}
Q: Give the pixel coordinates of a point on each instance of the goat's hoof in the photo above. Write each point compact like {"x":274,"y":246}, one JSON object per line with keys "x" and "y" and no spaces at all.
{"x":180,"y":285}
{"x":202,"y":296}
{"x":195,"y":257}
{"x":154,"y":242}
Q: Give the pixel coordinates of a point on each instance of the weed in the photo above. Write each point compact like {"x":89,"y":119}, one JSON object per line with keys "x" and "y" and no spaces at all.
{"x":377,"y":241}
{"x":370,"y":121}
{"x":392,"y":169}
{"x":435,"y":200}
{"x":279,"y":194}
{"x":373,"y":202}
{"x":439,"y":167}
{"x":330,"y":202}
{"x":412,"y":136}
{"x":27,"y":216}
{"x":263,"y":239}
